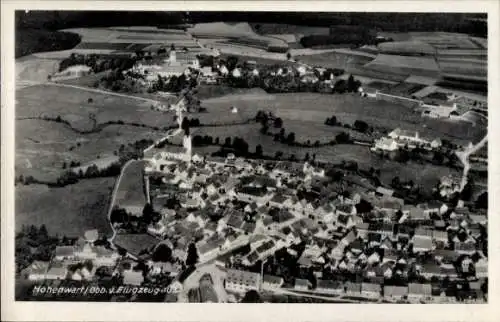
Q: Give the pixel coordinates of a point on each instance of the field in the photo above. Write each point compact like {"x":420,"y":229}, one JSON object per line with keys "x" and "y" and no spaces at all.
{"x":404,"y":65}
{"x":69,"y":211}
{"x":210,"y":91}
{"x":31,"y":68}
{"x":347,"y":109}
{"x":335,"y":60}
{"x":298,"y":30}
{"x":406,"y":47}
{"x":43,"y":147}
{"x":123,"y":40}
{"x":131,"y":191}
{"x":72,"y":104}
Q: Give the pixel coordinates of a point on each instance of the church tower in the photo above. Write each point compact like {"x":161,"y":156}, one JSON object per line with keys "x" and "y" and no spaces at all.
{"x":187,"y":148}
{"x":173,"y":57}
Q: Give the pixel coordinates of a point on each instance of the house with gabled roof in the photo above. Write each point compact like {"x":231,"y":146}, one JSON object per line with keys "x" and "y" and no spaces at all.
{"x":36,"y":270}
{"x":329,"y":287}
{"x":419,"y":292}
{"x":302,"y":284}
{"x":371,"y":290}
{"x":395,"y":293}
{"x":352,"y":289}
{"x":422,"y":244}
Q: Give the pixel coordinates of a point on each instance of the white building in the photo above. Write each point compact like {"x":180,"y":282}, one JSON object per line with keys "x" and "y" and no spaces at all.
{"x":412,"y":139}
{"x":242,"y":281}
{"x":438,"y":111}
{"x":385,"y":144}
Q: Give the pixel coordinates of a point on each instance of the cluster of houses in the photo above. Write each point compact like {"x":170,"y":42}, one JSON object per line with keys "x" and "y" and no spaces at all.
{"x":227,"y":205}
{"x":77,"y":262}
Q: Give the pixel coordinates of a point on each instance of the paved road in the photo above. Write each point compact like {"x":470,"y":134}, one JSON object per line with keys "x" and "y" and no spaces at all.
{"x":113,"y":197}
{"x":464,"y":158}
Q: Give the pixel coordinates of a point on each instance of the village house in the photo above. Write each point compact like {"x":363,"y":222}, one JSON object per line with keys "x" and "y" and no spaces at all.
{"x":371,"y":290}
{"x":329,"y":287}
{"x":56,"y":271}
{"x":395,"y":293}
{"x":352,"y":289}
{"x":131,"y":277}
{"x":241,"y":281}
{"x":302,"y":284}
{"x":36,"y":271}
{"x":419,"y":292}
{"x":385,"y":144}
{"x":65,"y":252}
{"x":272,"y":282}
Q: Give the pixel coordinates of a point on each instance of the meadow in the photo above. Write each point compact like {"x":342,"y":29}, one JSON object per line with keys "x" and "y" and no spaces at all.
{"x":404,"y":65}
{"x":73,"y":105}
{"x":335,"y":60}
{"x":69,"y":210}
{"x":131,"y":191}
{"x":42,"y":147}
{"x":313,"y":109}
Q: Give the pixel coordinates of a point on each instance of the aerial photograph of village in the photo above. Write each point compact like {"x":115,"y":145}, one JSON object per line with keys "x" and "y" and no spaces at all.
{"x":251,"y":157}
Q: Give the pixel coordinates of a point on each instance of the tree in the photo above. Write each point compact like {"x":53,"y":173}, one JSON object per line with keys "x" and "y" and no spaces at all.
{"x":363,"y":207}
{"x":278,"y":122}
{"x":232,"y":61}
{"x":251,"y":296}
{"x":162,"y":253}
{"x":351,"y":84}
{"x":342,"y":137}
{"x":288,"y":55}
{"x":147,"y":213}
{"x":360,"y":126}
{"x":258,"y":150}
{"x":119,"y":215}
{"x":185,"y":124}
{"x":482,"y":201}
{"x":396,"y":182}
{"x":192,"y":255}
{"x":290,"y":138}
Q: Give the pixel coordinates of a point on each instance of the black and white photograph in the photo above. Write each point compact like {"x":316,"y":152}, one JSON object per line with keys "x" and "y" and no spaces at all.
{"x":192,"y":156}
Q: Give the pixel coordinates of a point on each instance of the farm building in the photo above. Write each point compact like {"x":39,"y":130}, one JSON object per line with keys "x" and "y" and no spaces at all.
{"x":412,"y":139}
{"x":385,"y":144}
{"x":438,"y":111}
{"x":186,"y":59}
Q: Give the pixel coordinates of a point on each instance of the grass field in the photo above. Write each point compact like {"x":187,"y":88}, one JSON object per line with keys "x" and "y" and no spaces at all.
{"x":31,"y":68}
{"x":212,"y":91}
{"x":404,"y":65}
{"x":131,"y":191}
{"x":335,"y":60}
{"x":72,"y":105}
{"x":406,"y":47}
{"x":43,"y":147}
{"x":347,"y":109}
{"x":69,"y":211}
